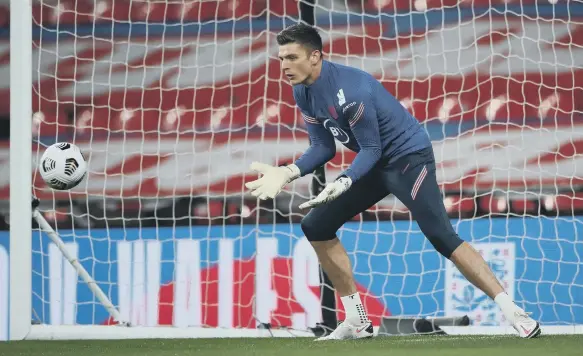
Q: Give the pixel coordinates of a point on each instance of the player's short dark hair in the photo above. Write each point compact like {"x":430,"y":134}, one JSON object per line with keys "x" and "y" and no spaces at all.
{"x":302,"y":34}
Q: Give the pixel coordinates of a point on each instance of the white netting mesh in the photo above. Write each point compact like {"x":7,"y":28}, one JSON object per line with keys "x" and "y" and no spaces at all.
{"x":171,"y":101}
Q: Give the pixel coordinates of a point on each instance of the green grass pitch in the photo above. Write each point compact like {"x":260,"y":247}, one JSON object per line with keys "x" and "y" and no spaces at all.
{"x":389,"y":346}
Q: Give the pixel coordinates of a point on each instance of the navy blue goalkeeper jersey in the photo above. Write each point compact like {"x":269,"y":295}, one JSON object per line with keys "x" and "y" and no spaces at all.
{"x":351,"y":106}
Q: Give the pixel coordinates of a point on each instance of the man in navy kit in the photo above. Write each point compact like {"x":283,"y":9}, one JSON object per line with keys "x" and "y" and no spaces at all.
{"x":394,"y":155}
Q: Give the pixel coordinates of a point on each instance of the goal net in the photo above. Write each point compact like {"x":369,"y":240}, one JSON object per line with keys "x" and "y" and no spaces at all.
{"x":171,"y":101}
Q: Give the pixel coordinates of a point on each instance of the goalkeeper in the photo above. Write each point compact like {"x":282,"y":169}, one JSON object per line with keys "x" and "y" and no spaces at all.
{"x":394,"y":155}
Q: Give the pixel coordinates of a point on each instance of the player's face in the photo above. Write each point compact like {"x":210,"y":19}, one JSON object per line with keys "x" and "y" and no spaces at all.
{"x":297,"y":63}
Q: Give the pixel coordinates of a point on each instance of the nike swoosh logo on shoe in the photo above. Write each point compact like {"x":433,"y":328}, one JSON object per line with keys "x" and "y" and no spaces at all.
{"x":358,"y":331}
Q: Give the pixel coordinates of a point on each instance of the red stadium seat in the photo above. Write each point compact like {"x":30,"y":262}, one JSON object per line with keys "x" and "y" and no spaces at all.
{"x":289,"y":116}
{"x":240,"y":8}
{"x":195,"y":11}
{"x":135,"y":120}
{"x":70,"y":12}
{"x":200,"y":11}
{"x":203,"y":213}
{"x":42,"y":14}
{"x":493,"y":204}
{"x":567,"y":203}
{"x":65,"y":12}
{"x":457,"y":205}
{"x":524,"y":206}
{"x":91,"y":120}
{"x":155,"y":12}
{"x":4,"y":15}
{"x":74,"y":12}
{"x":423,"y":5}
{"x":284,"y":7}
{"x":178,"y":119}
{"x":109,"y":10}
{"x":49,"y":123}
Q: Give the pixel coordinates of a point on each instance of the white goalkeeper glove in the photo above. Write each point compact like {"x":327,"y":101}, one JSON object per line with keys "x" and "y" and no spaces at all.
{"x":331,"y":192}
{"x":273,"y":180}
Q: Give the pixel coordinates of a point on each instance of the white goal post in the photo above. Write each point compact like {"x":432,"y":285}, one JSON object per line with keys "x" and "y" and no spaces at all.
{"x":171,"y":100}
{"x":20,"y":176}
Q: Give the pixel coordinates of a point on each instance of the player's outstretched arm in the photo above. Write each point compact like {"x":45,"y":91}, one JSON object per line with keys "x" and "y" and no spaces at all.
{"x":273,"y":180}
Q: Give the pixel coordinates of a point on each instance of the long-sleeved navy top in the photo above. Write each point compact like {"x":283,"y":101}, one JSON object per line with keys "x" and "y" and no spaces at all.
{"x":351,"y":106}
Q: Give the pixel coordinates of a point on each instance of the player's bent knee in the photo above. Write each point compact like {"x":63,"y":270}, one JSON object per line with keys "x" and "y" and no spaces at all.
{"x":438,"y":229}
{"x":445,"y":244}
{"x":315,"y":230}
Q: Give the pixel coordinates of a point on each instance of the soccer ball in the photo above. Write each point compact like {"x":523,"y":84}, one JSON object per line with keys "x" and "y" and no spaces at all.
{"x":63,"y":166}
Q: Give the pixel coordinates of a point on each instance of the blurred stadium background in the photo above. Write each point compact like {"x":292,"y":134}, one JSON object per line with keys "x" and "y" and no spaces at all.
{"x":171,"y":101}
{"x":150,"y":77}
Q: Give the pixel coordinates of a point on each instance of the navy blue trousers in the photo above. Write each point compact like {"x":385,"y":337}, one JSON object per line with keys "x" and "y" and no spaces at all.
{"x":412,"y":180}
